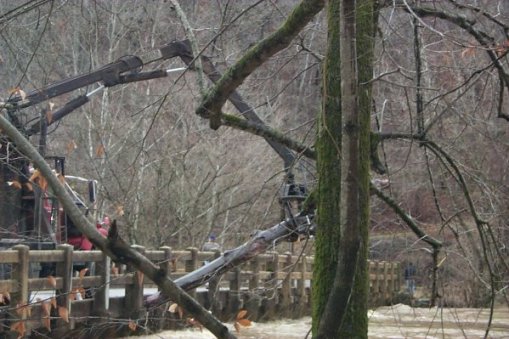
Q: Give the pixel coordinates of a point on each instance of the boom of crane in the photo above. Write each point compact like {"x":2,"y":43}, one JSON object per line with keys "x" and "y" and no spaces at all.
{"x":129,"y":69}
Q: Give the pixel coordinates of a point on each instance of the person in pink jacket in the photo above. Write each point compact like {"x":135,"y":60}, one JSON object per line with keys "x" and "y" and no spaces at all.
{"x":81,"y":242}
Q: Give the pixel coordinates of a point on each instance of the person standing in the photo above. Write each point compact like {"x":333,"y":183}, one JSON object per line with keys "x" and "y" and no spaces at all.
{"x":211,"y":245}
{"x":409,"y":274}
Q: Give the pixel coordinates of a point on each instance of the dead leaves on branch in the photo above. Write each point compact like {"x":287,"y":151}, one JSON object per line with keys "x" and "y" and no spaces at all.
{"x":241,"y":320}
{"x":18,"y":91}
{"x":52,"y":281}
{"x":70,"y":147}
{"x":14,"y":184}
{"x":175,"y":308}
{"x":39,"y":179}
{"x":100,"y":151}
{"x":63,"y":313}
{"x":19,"y":327}
{"x":5,"y":298}
{"x":500,"y":49}
{"x":24,"y":311}
{"x":132,"y":325}
{"x":195,"y":323}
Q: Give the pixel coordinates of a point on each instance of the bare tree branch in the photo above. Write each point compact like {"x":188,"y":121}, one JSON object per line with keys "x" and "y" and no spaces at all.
{"x":114,"y":246}
{"x":257,"y":55}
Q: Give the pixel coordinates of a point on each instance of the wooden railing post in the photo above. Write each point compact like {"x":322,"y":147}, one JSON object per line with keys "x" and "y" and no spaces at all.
{"x":385,"y":284}
{"x":157,"y":316}
{"x":134,"y":292}
{"x":19,"y":273}
{"x":301,"y":287}
{"x":276,"y":267}
{"x":101,"y":295}
{"x":391,"y":281}
{"x":397,"y":288}
{"x":234,"y":293}
{"x":271,"y":297}
{"x":377,"y":286}
{"x":191,"y":265}
{"x":215,"y":305}
{"x":253,"y":300}
{"x":254,"y":279}
{"x":286,"y":287}
{"x":166,"y":265}
{"x":64,"y":271}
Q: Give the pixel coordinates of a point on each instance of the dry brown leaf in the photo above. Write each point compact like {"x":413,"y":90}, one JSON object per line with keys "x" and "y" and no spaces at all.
{"x":71,"y":146}
{"x":173,"y":308}
{"x":22,"y":94}
{"x":180,"y":311}
{"x":63,"y":312}
{"x":195,"y":323}
{"x":35,"y":175}
{"x":19,"y":310}
{"x":24,"y":311}
{"x":132,"y":325}
{"x":18,"y":91}
{"x":49,"y":116}
{"x":100,"y":151}
{"x":61,"y":178}
{"x":83,"y":272}
{"x":19,"y":327}
{"x":468,"y":52}
{"x":52,"y":281}
{"x":4,"y":298}
{"x":499,"y":50}
{"x":237,"y":327}
{"x":140,"y":276}
{"x":39,"y":179}
{"x":29,"y":186}
{"x":7,"y":296}
{"x":46,"y":308}
{"x":43,"y":184}
{"x":54,"y":302}
{"x":119,"y":209}
{"x":14,"y":184}
{"x":244,"y":322}
{"x":46,"y":322}
{"x":242,"y":314}
{"x":82,"y":292}
{"x":114,"y":270}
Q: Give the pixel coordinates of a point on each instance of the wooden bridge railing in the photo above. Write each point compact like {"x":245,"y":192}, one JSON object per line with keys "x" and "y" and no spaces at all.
{"x":271,"y":285}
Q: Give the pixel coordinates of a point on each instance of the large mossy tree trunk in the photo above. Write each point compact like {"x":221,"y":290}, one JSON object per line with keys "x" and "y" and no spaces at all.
{"x":340,"y":282}
{"x":328,"y":151}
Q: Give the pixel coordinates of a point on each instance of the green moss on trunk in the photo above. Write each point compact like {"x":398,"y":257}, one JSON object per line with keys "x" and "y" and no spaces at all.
{"x":356,"y":316}
{"x":351,"y":297}
{"x":328,"y":147}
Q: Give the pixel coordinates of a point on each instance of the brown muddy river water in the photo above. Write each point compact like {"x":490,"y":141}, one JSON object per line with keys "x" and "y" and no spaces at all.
{"x":399,"y":321}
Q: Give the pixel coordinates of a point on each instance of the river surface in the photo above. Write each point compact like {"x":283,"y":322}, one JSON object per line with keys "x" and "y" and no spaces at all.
{"x":399,"y":321}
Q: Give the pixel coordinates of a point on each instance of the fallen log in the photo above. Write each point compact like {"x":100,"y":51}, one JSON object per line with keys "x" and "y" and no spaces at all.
{"x":260,"y":242}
